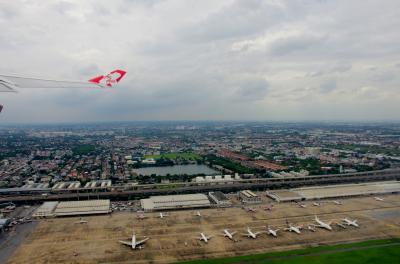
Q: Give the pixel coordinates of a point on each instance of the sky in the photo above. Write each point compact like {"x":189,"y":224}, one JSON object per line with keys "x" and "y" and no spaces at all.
{"x":275,"y":60}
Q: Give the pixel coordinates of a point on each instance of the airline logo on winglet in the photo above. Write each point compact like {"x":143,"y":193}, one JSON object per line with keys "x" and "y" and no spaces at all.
{"x":110,"y":79}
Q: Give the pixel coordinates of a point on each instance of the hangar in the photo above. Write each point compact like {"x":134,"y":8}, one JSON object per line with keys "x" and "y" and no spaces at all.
{"x":335,"y":191}
{"x":83,"y":207}
{"x":168,"y":202}
{"x":88,"y":207}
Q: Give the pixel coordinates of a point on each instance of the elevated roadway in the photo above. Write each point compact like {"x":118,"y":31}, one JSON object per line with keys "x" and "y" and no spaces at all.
{"x":142,"y":191}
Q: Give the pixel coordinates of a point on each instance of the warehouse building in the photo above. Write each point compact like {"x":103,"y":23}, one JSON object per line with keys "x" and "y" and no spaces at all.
{"x":249,"y":197}
{"x":347,"y":190}
{"x":88,"y":207}
{"x":67,"y":185}
{"x":83,"y":207}
{"x":170,"y":202}
{"x":335,"y":191}
{"x":219,"y":199}
{"x":98,"y":183}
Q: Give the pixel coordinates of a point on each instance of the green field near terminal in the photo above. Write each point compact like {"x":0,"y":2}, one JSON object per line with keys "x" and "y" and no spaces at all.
{"x":374,"y":251}
{"x":177,"y":155}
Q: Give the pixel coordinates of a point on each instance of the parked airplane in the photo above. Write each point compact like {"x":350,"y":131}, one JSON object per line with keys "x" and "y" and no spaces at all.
{"x":133,"y":243}
{"x":229,"y":234}
{"x":316,"y":204}
{"x":141,"y":216}
{"x":81,"y":221}
{"x":204,"y":238}
{"x":251,"y":234}
{"x":350,"y":222}
{"x":292,"y":228}
{"x":268,"y":207}
{"x":301,"y":205}
{"x":337,"y":202}
{"x":322,"y":224}
{"x":163,"y":215}
{"x":250,"y":209}
{"x":379,"y":199}
{"x":272,"y":232}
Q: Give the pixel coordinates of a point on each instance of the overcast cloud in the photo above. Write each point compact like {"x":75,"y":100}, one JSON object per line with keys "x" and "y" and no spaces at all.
{"x":204,"y":60}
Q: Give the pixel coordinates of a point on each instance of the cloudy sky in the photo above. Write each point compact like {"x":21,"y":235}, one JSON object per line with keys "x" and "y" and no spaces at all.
{"x":204,"y":60}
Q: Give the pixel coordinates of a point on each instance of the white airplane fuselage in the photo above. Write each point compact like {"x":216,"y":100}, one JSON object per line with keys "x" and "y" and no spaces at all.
{"x":228,"y":234}
{"x":350,"y":222}
{"x":251,"y":234}
{"x":163,"y":215}
{"x":204,"y":238}
{"x":295,"y":229}
{"x":133,"y":241}
{"x":273,"y":232}
{"x":322,"y":224}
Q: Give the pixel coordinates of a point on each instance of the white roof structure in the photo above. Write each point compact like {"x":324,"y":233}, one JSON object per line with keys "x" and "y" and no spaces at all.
{"x":284,"y":195}
{"x":45,"y":210}
{"x":83,"y":207}
{"x":175,"y":202}
{"x":343,"y":190}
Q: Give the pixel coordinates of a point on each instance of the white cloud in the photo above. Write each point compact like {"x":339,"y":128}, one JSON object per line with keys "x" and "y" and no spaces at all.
{"x":288,"y":59}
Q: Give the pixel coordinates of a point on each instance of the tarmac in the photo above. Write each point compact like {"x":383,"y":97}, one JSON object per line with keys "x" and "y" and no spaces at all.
{"x":174,"y":238}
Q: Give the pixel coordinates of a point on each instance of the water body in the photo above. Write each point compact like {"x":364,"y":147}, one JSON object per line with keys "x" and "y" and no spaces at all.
{"x":191,"y":169}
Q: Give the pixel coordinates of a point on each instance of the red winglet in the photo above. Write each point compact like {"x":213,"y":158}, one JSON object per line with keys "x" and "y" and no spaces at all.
{"x":97,"y":79}
{"x":109,"y":79}
{"x":121,"y":74}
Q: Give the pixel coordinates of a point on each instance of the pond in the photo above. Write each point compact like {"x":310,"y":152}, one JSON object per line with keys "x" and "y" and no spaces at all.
{"x":191,"y":169}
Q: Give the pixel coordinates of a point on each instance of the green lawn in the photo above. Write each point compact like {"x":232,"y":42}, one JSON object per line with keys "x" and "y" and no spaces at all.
{"x":83,"y":149}
{"x":374,"y":251}
{"x":174,"y":156}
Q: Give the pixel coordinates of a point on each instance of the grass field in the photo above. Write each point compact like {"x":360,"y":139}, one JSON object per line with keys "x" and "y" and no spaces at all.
{"x":374,"y":251}
{"x":174,"y":156}
{"x":83,"y":149}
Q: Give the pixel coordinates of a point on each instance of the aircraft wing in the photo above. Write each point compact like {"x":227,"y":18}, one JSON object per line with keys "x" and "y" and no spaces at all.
{"x":141,"y":241}
{"x":6,"y":87}
{"x":126,"y":243}
{"x":35,"y":83}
